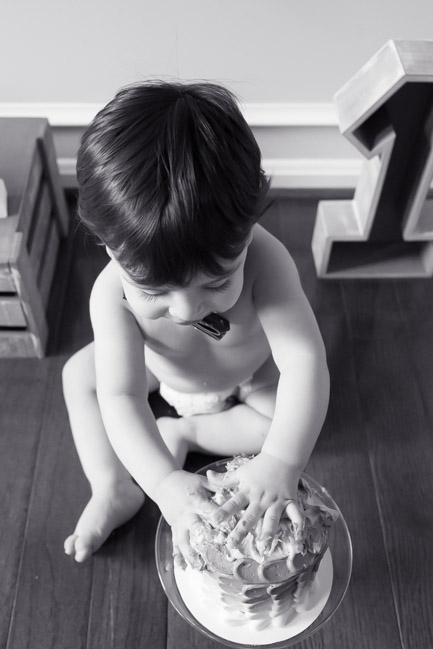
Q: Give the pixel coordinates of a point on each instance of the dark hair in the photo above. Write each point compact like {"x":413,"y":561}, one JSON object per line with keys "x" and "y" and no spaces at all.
{"x":170,"y":179}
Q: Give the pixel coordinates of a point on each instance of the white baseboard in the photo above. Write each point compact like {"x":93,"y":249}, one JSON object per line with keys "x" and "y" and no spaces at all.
{"x":309,"y":173}
{"x":312,"y":119}
{"x":290,"y":114}
{"x":58,"y":114}
{"x":74,"y":114}
{"x":286,"y":174}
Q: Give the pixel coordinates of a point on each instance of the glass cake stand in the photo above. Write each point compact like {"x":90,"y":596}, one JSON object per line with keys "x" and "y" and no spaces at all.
{"x":340,"y":546}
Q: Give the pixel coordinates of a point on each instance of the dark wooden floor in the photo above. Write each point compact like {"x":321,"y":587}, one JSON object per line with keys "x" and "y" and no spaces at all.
{"x":375,"y":455}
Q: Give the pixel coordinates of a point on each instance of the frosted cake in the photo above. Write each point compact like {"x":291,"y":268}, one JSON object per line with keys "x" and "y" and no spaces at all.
{"x":248,"y":587}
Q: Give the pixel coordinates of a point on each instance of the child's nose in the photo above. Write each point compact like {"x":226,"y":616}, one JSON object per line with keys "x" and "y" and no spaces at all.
{"x":186,"y":307}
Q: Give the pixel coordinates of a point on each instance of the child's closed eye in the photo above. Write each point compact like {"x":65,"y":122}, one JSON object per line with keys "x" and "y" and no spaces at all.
{"x":149,"y":297}
{"x":221,"y":287}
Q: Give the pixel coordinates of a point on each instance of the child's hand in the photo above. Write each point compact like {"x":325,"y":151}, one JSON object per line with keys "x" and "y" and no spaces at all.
{"x":266,"y":485}
{"x":182,"y":498}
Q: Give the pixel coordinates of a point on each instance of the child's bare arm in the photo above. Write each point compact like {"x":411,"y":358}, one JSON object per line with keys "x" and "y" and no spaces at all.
{"x":268,"y":484}
{"x":299,"y":352}
{"x":128,"y":419}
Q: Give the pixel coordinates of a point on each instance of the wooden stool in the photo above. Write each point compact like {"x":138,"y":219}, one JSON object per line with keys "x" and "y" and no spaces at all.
{"x":30,"y":235}
{"x":386,"y":112}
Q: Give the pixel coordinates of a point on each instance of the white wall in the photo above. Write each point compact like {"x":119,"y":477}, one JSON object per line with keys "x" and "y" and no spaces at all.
{"x":266,"y":50}
{"x":273,"y":52}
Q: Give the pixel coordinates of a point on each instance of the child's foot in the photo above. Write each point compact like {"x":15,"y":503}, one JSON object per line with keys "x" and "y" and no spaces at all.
{"x":105,"y":511}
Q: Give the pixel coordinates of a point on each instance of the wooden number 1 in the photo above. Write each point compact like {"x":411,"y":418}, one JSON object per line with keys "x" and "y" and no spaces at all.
{"x":386,"y":112}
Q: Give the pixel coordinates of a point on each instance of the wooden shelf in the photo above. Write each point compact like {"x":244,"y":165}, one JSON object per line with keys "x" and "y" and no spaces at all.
{"x":30,"y":235}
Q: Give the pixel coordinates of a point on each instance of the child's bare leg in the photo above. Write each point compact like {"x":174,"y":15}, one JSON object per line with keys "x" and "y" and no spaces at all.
{"x":115,"y":497}
{"x":242,"y":429}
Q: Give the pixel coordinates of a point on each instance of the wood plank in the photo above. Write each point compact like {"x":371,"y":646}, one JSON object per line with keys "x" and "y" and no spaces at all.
{"x":181,"y":635}
{"x":46,"y":275}
{"x":48,"y":153}
{"x":20,"y":344}
{"x":29,"y":196}
{"x":401,"y":454}
{"x":39,"y":227}
{"x":340,"y":461}
{"x":23,"y":386}
{"x":7,"y":284}
{"x":7,"y":244}
{"x":8,"y":228}
{"x":128,"y":608}
{"x":25,"y":281}
{"x":53,"y":592}
{"x":415,"y":301}
{"x":372,"y":312}
{"x":11,"y":313}
{"x":60,"y":294}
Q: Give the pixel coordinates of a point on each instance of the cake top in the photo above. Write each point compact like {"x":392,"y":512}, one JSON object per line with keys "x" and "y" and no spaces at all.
{"x":290,"y":552}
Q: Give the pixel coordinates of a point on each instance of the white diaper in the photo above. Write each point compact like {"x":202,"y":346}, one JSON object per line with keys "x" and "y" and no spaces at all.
{"x":196,"y":403}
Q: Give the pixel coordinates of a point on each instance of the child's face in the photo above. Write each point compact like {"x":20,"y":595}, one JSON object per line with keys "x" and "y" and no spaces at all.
{"x":185,"y":305}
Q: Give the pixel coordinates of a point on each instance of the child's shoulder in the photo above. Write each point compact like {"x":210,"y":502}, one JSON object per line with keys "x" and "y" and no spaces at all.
{"x":266,"y":244}
{"x":107,"y":283}
{"x":109,"y":312}
{"x":107,"y":291}
{"x":266,"y":252}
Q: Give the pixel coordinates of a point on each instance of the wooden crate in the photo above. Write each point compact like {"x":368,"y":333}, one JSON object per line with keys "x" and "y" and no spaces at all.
{"x":30,"y":235}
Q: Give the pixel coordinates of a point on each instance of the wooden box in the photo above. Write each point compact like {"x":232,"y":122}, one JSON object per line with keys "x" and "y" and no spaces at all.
{"x":30,"y":235}
{"x":386,"y":112}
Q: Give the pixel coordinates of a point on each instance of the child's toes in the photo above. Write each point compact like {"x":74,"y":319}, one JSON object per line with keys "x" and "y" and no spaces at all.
{"x":79,"y":546}
{"x":70,"y":544}
{"x":83,"y":548}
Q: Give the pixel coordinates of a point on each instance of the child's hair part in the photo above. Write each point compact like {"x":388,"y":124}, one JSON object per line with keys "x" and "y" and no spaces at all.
{"x":170,"y":180}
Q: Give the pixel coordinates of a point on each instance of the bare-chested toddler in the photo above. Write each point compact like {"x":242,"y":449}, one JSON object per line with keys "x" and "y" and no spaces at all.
{"x":198,"y":301}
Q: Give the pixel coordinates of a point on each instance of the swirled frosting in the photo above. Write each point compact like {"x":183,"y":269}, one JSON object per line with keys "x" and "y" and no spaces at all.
{"x":250,"y":585}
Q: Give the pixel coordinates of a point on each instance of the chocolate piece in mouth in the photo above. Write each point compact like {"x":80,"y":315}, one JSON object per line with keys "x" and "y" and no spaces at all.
{"x":214,"y":325}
